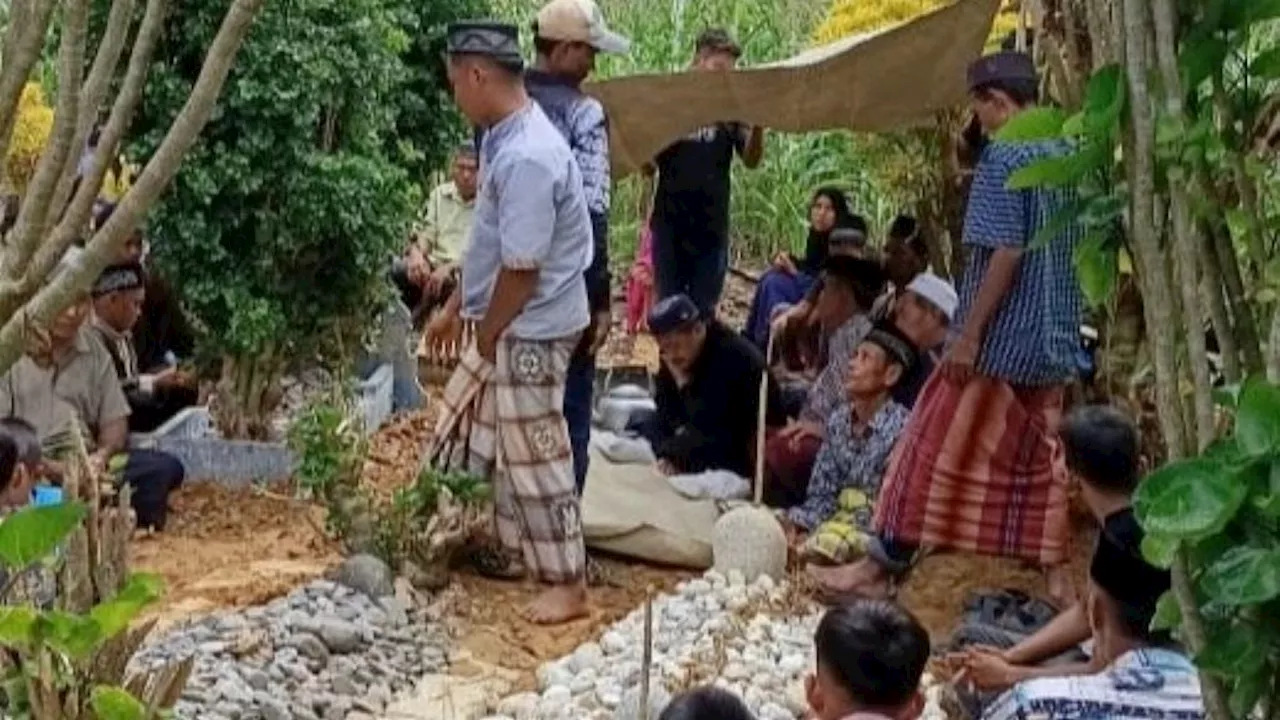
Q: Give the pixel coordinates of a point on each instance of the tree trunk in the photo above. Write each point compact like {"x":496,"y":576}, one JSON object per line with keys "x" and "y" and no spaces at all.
{"x":247,"y":395}
{"x":1219,"y":316}
{"x":1248,"y":337}
{"x":53,"y":297}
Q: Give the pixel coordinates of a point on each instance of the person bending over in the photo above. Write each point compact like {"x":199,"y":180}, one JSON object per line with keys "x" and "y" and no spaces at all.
{"x":707,"y":393}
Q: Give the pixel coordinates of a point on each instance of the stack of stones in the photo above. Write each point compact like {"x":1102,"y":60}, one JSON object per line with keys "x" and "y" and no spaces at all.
{"x":337,"y":650}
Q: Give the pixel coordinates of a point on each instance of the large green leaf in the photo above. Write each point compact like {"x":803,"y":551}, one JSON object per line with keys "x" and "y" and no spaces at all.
{"x":113,"y":703}
{"x":1202,"y":56}
{"x":1244,"y":576}
{"x":1039,"y":123}
{"x":1268,"y":502}
{"x":1240,"y":14}
{"x":1258,"y":418}
{"x":16,"y":624}
{"x":1097,"y":266}
{"x":1267,"y":64}
{"x":1058,"y":170}
{"x":1189,"y":499}
{"x":115,"y":615}
{"x":1232,"y":651}
{"x":1168,"y":614}
{"x":33,"y":533}
{"x":1103,"y":100}
{"x":1059,"y":222}
{"x":1159,"y":550}
{"x":76,"y":636}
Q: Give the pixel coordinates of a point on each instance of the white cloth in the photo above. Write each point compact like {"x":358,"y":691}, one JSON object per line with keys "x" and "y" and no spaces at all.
{"x":711,"y":485}
{"x":622,"y":449}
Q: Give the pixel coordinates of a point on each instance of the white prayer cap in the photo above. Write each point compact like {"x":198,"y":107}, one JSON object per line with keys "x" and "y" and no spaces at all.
{"x":938,"y":292}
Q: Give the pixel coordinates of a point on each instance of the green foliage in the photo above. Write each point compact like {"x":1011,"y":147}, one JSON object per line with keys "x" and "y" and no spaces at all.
{"x":330,"y":450}
{"x":52,"y":649}
{"x":409,"y":515}
{"x":279,"y":225}
{"x":1222,"y":508}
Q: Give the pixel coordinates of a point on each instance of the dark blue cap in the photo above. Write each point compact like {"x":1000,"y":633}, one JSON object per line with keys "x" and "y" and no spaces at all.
{"x":672,"y":313}
{"x":1001,"y":67}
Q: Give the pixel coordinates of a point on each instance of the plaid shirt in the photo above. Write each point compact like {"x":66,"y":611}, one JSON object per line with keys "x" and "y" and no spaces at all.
{"x":1033,"y":336}
{"x":849,"y":460}
{"x":828,"y":391}
{"x":1147,"y":683}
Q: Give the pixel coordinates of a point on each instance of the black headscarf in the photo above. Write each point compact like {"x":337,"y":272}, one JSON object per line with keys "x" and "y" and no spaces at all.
{"x":815,"y":247}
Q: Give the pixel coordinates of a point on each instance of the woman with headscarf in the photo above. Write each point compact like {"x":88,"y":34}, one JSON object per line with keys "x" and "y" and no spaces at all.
{"x":790,"y":278}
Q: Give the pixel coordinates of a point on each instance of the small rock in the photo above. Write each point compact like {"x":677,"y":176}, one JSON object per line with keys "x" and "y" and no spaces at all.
{"x":257,"y":680}
{"x":338,"y":635}
{"x":588,"y":656}
{"x":519,"y":706}
{"x":344,"y":685}
{"x":310,"y":646}
{"x":367,"y":574}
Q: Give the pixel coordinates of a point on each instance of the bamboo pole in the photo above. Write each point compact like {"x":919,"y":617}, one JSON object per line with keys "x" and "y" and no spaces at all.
{"x":762,"y":414}
{"x":646,"y":661}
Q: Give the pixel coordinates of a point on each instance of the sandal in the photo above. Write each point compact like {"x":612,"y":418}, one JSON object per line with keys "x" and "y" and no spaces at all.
{"x":495,"y":564}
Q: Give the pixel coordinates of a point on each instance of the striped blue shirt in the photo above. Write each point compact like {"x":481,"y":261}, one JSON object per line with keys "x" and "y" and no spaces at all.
{"x":1033,"y":336}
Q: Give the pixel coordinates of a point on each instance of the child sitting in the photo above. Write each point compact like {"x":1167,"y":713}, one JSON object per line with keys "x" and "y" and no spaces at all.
{"x":871,"y":655}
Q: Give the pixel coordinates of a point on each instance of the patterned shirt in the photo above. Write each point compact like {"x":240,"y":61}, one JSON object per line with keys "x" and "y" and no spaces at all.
{"x":828,"y":391}
{"x":1033,"y":336}
{"x":848,"y":459}
{"x":530,"y":214}
{"x":1146,"y":683}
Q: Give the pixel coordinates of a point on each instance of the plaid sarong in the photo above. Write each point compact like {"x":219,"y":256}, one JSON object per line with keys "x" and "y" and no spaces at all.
{"x":979,"y":468}
{"x":505,"y":421}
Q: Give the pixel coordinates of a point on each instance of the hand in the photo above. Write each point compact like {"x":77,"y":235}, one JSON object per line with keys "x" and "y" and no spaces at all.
{"x":987,"y":670}
{"x":443,"y":335}
{"x":436,"y":280}
{"x":666,"y":468}
{"x":51,"y":470}
{"x":797,"y":431}
{"x":172,"y":378}
{"x":487,"y":343}
{"x":601,"y":324}
{"x":961,"y":361}
{"x":98,"y":463}
{"x":782,"y":262}
{"x":416,"y":266}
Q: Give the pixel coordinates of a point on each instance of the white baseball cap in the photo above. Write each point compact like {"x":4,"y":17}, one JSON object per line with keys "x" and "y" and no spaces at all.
{"x":938,"y":292}
{"x":579,"y":21}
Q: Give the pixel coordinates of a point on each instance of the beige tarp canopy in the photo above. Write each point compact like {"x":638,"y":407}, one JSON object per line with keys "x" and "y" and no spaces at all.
{"x":882,"y":81}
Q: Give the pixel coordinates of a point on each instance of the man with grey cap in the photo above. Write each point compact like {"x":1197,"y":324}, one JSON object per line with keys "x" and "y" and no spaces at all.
{"x":523,"y":286}
{"x":983,"y":435}
{"x":567,"y":35}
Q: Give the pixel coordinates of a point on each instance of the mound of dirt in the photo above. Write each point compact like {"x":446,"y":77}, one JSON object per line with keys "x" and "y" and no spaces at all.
{"x":232,"y":548}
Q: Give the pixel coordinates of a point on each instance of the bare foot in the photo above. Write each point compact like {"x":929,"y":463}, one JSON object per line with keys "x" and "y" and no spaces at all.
{"x":557,"y":604}
{"x":863,"y":579}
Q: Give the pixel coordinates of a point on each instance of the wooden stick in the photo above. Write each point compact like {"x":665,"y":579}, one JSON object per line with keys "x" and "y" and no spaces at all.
{"x":761,"y":414}
{"x":646,"y":661}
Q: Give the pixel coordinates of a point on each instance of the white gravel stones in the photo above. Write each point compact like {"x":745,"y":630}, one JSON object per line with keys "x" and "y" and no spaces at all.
{"x":716,"y":629}
{"x":323,"y":652}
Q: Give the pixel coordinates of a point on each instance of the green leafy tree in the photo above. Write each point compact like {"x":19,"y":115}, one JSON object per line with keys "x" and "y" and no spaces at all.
{"x":278,"y":230}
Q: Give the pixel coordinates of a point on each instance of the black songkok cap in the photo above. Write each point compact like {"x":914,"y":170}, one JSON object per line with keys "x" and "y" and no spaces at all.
{"x":500,"y":41}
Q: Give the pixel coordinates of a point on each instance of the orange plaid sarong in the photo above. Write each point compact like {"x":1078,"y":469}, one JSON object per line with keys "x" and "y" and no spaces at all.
{"x":505,"y":421}
{"x":979,"y":468}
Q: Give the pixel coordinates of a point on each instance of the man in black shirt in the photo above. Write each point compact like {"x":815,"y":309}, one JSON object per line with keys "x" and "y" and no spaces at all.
{"x":690,"y":222}
{"x":708,"y":393}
